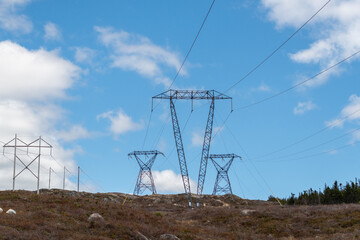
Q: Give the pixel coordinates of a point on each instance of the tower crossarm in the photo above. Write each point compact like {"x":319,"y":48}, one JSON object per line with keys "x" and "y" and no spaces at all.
{"x":191,"y":94}
{"x":226,"y":167}
{"x":148,"y":153}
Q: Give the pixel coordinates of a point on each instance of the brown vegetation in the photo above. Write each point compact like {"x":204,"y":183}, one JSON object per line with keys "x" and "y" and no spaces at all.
{"x":58,"y":214}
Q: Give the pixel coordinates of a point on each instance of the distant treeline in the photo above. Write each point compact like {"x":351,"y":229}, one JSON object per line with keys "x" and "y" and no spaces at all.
{"x":338,"y":193}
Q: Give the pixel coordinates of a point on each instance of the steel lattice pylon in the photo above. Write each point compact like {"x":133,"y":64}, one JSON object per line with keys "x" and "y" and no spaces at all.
{"x":192,"y":95}
{"x":222,"y":182}
{"x":145,"y":170}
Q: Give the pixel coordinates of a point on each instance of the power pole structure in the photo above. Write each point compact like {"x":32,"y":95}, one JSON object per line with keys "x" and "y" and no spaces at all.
{"x":17,"y":143}
{"x":145,"y":170}
{"x":193,"y":95}
{"x":222,"y":182}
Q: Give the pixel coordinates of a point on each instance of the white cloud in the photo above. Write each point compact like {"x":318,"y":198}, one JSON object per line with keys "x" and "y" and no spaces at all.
{"x":351,"y":112}
{"x":197,"y":139}
{"x":120,"y":122}
{"x":52,"y":32}
{"x":11,"y":20}
{"x":137,"y":53}
{"x":303,"y":107}
{"x":84,"y":55}
{"x":336,"y":30}
{"x":169,"y":182}
{"x":74,"y":133}
{"x":31,"y":80}
{"x":34,"y":74}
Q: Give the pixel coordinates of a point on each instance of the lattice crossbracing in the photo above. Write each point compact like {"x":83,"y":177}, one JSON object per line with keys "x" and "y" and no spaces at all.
{"x":222,"y":182}
{"x":145,"y":180}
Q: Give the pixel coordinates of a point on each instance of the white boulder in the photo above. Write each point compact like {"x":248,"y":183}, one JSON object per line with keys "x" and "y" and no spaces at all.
{"x":11,"y":212}
{"x":1,"y":210}
{"x":95,"y":217}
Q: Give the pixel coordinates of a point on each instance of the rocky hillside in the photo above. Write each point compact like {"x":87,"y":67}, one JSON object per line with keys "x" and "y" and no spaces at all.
{"x":57,"y":214}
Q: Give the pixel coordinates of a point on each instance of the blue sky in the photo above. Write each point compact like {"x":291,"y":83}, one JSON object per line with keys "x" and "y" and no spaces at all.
{"x":81,"y":74}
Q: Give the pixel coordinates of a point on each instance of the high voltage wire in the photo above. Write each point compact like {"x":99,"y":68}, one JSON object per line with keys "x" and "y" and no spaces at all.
{"x":307,"y":137}
{"x":249,"y":159}
{"x":277,"y":49}
{"x":82,"y":170}
{"x":316,"y":146}
{"x":192,"y":45}
{"x":183,"y":62}
{"x":320,"y":153}
{"x":298,"y":84}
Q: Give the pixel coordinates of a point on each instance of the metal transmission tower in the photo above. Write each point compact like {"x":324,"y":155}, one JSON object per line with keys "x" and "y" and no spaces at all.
{"x":222,"y":182}
{"x":17,"y":143}
{"x":192,"y":95}
{"x":145,"y":170}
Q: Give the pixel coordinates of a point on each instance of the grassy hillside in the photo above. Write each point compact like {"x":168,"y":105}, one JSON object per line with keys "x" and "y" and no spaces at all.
{"x":58,"y":214}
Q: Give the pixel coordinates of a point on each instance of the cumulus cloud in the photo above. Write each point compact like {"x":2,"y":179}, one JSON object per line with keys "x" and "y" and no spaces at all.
{"x":32,"y":80}
{"x":121,"y":123}
{"x":303,"y":107}
{"x":169,"y":182}
{"x":52,"y":32}
{"x":132,"y":52}
{"x":11,"y":20}
{"x":336,"y":30}
{"x":350,"y":113}
{"x":34,"y":74}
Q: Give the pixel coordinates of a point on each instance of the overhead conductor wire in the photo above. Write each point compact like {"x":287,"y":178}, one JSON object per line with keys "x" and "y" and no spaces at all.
{"x":278,"y":48}
{"x":182,"y":64}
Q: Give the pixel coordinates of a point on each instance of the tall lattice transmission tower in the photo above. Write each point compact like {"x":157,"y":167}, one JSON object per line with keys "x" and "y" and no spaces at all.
{"x":145,"y":180}
{"x":211,"y":95}
{"x":222,"y":182}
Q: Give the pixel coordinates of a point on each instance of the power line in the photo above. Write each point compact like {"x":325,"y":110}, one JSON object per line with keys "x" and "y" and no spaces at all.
{"x":192,"y":45}
{"x":307,"y":137}
{"x":249,"y":159}
{"x":82,"y":170}
{"x":316,"y":146}
{"x":183,"y":62}
{"x":147,"y":130}
{"x":298,"y":84}
{"x":277,"y":49}
{"x":320,"y":153}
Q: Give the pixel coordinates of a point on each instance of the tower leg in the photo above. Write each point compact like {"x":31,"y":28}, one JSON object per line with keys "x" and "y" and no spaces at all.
{"x":137,"y":186}
{"x":205,"y":151}
{"x":181,"y":152}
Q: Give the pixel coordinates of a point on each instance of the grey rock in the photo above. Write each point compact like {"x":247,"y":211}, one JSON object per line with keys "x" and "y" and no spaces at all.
{"x":167,"y":236}
{"x":247,"y":212}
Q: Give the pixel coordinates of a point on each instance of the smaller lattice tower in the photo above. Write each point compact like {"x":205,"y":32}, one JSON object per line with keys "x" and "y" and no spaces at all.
{"x":145,"y":179}
{"x":222,"y":182}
